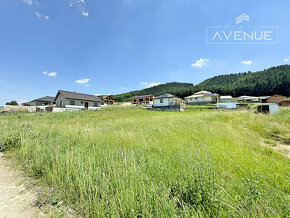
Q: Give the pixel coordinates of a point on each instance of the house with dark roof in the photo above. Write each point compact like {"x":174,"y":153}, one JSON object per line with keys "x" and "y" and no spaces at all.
{"x":74,"y":100}
{"x":143,"y":99}
{"x":47,"y":100}
{"x":168,"y":102}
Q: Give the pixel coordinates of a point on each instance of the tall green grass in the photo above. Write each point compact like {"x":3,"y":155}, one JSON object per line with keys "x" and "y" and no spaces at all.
{"x":129,"y":162}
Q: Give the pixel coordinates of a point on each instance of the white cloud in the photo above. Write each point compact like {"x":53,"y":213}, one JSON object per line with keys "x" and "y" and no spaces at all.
{"x":200,"y":63}
{"x":249,"y":62}
{"x":80,"y":6}
{"x":29,"y":2}
{"x":286,"y":59}
{"x":38,"y":14}
{"x":121,"y":88}
{"x":148,"y":85}
{"x":82,"y":81}
{"x":85,"y":13}
{"x":36,"y":7}
{"x":52,"y":74}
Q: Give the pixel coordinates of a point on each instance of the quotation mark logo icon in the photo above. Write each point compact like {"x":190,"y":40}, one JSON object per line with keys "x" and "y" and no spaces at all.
{"x":242,"y":18}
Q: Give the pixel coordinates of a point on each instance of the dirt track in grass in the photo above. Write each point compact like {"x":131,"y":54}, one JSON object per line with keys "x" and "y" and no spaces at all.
{"x":15,"y":199}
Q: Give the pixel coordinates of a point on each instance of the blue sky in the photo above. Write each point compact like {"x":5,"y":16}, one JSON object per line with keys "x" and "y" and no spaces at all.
{"x":115,"y":46}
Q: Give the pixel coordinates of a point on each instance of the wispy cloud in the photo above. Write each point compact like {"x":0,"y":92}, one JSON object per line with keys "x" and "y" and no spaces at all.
{"x":200,"y":63}
{"x":249,"y":62}
{"x":121,"y":87}
{"x":148,"y":85}
{"x":80,"y":6}
{"x":35,"y":5}
{"x":286,"y":59}
{"x":52,"y":74}
{"x":38,"y":14}
{"x":82,"y":81}
{"x":29,"y":2}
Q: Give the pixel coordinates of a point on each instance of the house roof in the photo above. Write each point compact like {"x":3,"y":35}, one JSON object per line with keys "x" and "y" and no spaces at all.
{"x":251,"y":98}
{"x":202,"y":92}
{"x":77,"y":96}
{"x":45,"y":98}
{"x":244,"y":96}
{"x":226,"y":96}
{"x":200,"y":95}
{"x":264,"y":97}
{"x":165,"y":96}
{"x":142,"y":96}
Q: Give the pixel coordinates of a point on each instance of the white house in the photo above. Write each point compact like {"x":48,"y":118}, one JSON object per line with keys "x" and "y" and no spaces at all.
{"x":226,"y":98}
{"x":168,"y":102}
{"x":202,"y":97}
{"x":78,"y":101}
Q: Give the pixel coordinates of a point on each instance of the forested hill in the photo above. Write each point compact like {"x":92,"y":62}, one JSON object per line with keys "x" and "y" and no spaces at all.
{"x":172,"y":87}
{"x":275,"y":80}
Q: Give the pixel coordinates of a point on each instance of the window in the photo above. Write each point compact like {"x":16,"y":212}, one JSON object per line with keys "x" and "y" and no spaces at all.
{"x":161,"y":101}
{"x":82,"y":102}
{"x":72,"y":102}
{"x":96,"y":104}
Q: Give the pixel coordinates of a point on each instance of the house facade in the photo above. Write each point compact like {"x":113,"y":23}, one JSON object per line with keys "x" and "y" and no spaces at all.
{"x":107,"y":99}
{"x":202,"y":97}
{"x":168,"y":102}
{"x":78,"y":101}
{"x":143,"y":99}
{"x":226,"y":98}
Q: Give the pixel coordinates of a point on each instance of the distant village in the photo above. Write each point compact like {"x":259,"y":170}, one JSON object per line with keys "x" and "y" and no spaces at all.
{"x":73,"y":101}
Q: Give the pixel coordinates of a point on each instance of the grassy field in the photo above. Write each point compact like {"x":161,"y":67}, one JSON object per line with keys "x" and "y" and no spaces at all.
{"x":129,"y":162}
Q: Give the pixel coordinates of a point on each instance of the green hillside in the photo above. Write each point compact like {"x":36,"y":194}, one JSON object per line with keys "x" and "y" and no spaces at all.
{"x":172,"y":87}
{"x":267,"y":82}
{"x":275,"y":80}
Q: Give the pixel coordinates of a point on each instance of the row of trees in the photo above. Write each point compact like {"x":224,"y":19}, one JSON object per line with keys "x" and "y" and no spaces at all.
{"x":14,"y":103}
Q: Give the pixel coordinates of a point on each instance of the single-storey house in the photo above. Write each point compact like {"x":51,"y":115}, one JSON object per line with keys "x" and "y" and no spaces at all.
{"x":168,"y":102}
{"x":241,"y":98}
{"x":143,"y":99}
{"x":47,"y":100}
{"x":226,"y":98}
{"x":107,"y":99}
{"x":251,"y":99}
{"x":202,"y":97}
{"x":275,"y":98}
{"x":268,"y":108}
{"x":74,"y":100}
